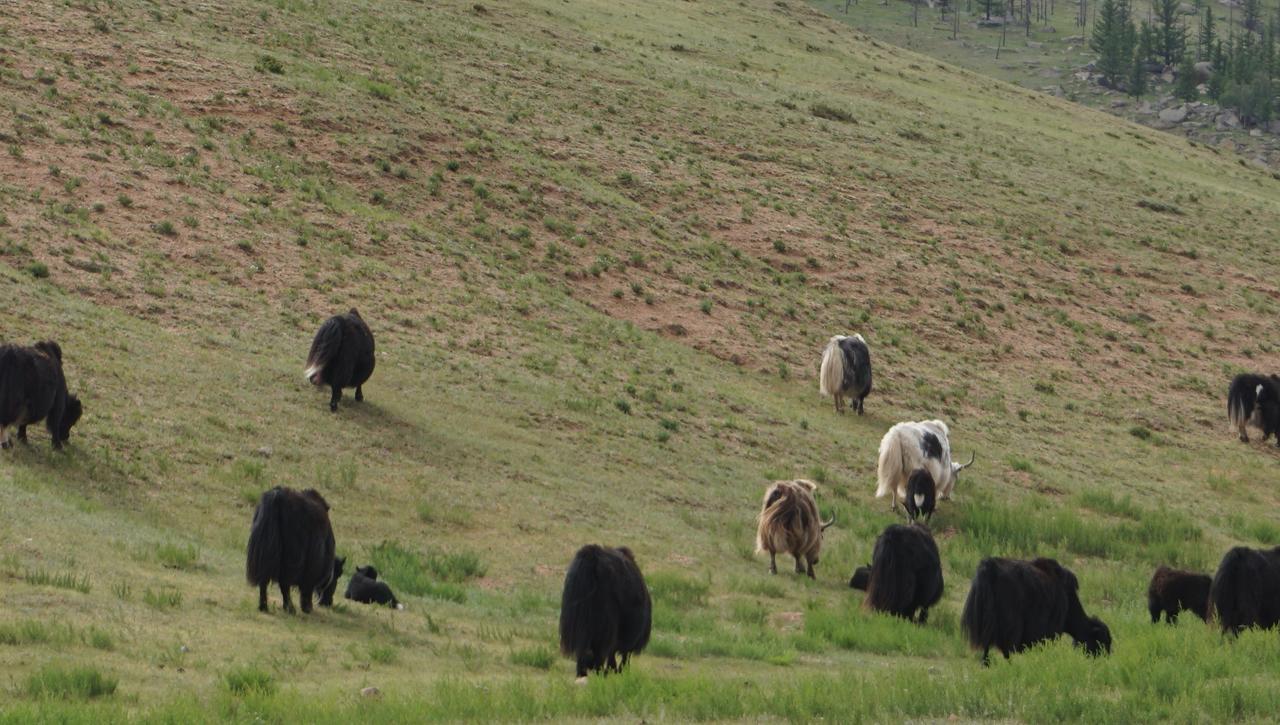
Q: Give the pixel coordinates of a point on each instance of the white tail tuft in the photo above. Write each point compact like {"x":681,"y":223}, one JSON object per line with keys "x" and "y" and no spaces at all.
{"x":831,"y":374}
{"x":889,"y":470}
{"x":311,"y":372}
{"x":399,"y":605}
{"x":919,"y":497}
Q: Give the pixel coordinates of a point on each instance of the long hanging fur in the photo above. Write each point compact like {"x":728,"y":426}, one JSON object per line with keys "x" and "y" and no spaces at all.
{"x":605,"y":611}
{"x":1246,"y":589}
{"x":891,"y":466}
{"x":906,"y":573}
{"x":1246,"y":404}
{"x":265,"y":550}
{"x":324,"y":348}
{"x":789,"y":523}
{"x":922,"y":495}
{"x":831,"y":373}
{"x":845,"y":370}
{"x":342,"y":356}
{"x":291,"y":543}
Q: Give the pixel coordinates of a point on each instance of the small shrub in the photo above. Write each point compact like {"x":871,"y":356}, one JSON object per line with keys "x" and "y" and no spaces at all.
{"x":623,"y":406}
{"x":269,"y":64}
{"x":831,"y":113}
{"x":705,"y":306}
{"x":177,"y":556}
{"x":162,"y":598}
{"x":165,"y":228}
{"x":39,"y":270}
{"x":124,"y":200}
{"x":540,"y":657}
{"x":1140,"y":433}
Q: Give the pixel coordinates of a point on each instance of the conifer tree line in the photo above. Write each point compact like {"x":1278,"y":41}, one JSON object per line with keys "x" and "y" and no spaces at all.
{"x":1245,"y":64}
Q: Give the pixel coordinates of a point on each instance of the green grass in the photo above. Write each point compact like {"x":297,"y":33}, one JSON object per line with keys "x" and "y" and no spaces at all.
{"x":986,"y":241}
{"x":73,"y":683}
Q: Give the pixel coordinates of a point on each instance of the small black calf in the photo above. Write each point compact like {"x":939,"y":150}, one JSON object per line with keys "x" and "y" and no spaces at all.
{"x":1173,"y":590}
{"x":365,"y":588}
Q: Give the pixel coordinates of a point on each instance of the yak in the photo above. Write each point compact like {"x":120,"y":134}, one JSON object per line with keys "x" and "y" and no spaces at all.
{"x":906,"y":573}
{"x":1014,"y":604}
{"x":789,"y":524}
{"x":1255,"y":400}
{"x":861,"y":578}
{"x":921,"y":498}
{"x":605,"y":612}
{"x":1246,"y":589}
{"x":291,"y":543}
{"x":910,"y":446}
{"x":341,"y":356}
{"x":365,"y":588}
{"x":1173,"y":590}
{"x":846,"y":371}
{"x":33,"y":388}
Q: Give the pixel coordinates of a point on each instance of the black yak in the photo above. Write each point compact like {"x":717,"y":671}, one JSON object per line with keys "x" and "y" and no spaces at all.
{"x":1014,"y":604}
{"x":789,"y":524}
{"x":906,"y":573}
{"x":1246,"y":589}
{"x":846,"y":371}
{"x":32,"y":389}
{"x":1173,"y":590}
{"x":1255,"y":400}
{"x":913,"y":445}
{"x":921,"y":498}
{"x":605,"y":612}
{"x":365,"y":588}
{"x":341,"y":356}
{"x":291,"y":543}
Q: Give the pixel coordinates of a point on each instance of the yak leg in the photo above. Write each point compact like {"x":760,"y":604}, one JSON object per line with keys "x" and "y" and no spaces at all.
{"x":284,"y":594}
{"x":304,"y":593}
{"x":810,"y":569}
{"x":262,"y":597}
{"x":924,"y":616}
{"x":1155,"y":613}
{"x":1171,"y":616}
{"x":613,"y":663}
{"x":583,"y":665}
{"x":859,"y":406}
{"x":773,"y":563}
{"x":333,"y":399}
{"x":4,"y":437}
{"x":799,"y":564}
{"x":359,"y":394}
{"x":836,"y":398}
{"x":986,"y":656}
{"x":1244,"y":433}
{"x":22,"y":433}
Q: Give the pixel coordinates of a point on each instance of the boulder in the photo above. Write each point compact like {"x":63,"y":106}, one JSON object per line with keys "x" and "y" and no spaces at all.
{"x":1255,"y":132}
{"x":1204,"y":69}
{"x":1226,"y":121}
{"x":1177,"y":114}
{"x":1274,"y":126}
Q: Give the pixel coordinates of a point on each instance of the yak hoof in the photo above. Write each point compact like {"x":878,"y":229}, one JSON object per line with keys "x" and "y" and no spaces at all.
{"x":581,"y":680}
{"x":333,"y":407}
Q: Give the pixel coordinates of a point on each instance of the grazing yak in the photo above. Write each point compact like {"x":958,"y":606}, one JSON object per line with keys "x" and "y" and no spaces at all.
{"x":365,"y":588}
{"x":1255,"y":400}
{"x":861,"y":577}
{"x":1246,"y":589}
{"x":291,"y":543}
{"x":910,"y":446}
{"x":906,"y":573}
{"x":789,"y":524}
{"x":341,"y":356}
{"x":846,"y":371}
{"x":921,"y":496}
{"x":605,"y":611}
{"x":32,"y":389}
{"x":1173,"y":590}
{"x":1014,"y":604}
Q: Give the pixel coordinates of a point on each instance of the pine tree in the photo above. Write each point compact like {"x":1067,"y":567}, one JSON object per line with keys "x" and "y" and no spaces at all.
{"x":1204,"y":43}
{"x":1113,"y":40}
{"x":1137,"y":75}
{"x":1186,"y":85}
{"x":1147,"y":42}
{"x":1171,"y":36}
{"x":989,"y":5}
{"x":1252,"y":15}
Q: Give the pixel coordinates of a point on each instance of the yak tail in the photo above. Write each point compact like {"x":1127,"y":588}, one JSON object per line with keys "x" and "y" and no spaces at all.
{"x":262,"y":564}
{"x":1239,"y":405}
{"x":323,"y":348}
{"x":831,"y":374}
{"x":890,"y":469}
{"x":1229,"y":595}
{"x":581,"y":602}
{"x":979,"y":617}
{"x":892,"y":583}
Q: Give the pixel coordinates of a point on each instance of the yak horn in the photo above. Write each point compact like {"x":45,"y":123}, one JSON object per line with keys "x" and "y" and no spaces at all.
{"x":827,"y":524}
{"x":972,"y":456}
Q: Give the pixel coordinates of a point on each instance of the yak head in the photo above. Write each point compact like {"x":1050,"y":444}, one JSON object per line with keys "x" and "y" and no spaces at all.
{"x":367,"y":572}
{"x":956,"y":468}
{"x":70,"y":417}
{"x":1097,"y":638}
{"x":861,"y":577}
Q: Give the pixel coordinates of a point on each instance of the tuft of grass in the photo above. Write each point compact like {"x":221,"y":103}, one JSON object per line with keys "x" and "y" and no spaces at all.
{"x":61,"y":580}
{"x":249,"y":680}
{"x":831,"y":113}
{"x":39,"y":270}
{"x":540,"y":657}
{"x":677,"y":590}
{"x":164,"y":597}
{"x":71,"y":683}
{"x":434,"y":575}
{"x":177,"y":556}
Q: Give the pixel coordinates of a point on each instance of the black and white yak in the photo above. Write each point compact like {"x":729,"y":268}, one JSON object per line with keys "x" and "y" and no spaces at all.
{"x":1255,"y":400}
{"x":291,"y":543}
{"x":911,"y":446}
{"x":1014,"y":604}
{"x":605,"y":612}
{"x":341,"y":356}
{"x":922,"y":495}
{"x":1246,"y":589}
{"x":365,"y":588}
{"x":33,"y":388}
{"x":789,"y":524}
{"x":1173,"y":590}
{"x":906,"y":573}
{"x":846,"y":371}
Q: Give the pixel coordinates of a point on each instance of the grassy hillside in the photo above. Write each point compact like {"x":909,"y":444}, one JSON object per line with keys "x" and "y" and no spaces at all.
{"x":601,"y":246}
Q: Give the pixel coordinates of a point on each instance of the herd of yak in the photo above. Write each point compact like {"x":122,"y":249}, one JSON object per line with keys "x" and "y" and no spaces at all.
{"x":606,"y":610}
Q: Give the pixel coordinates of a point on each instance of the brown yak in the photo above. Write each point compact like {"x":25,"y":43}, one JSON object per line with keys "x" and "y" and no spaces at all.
{"x":789,"y":524}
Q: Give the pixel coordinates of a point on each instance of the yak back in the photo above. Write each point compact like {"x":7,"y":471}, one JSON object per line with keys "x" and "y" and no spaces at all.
{"x":1013,"y":604}
{"x":1246,"y":589}
{"x":789,"y":520}
{"x":605,"y":609}
{"x":857,"y":366}
{"x":906,"y":571}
